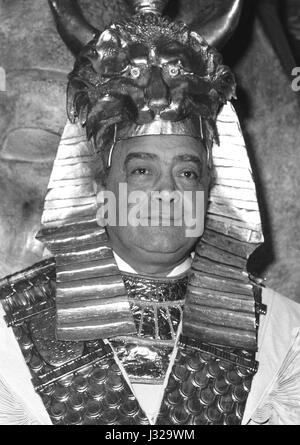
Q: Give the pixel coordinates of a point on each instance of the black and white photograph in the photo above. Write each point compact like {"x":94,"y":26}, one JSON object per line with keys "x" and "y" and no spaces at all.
{"x":150,"y":215}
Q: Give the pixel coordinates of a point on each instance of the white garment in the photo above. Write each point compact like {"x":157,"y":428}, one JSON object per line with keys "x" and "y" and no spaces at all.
{"x":19,"y":403}
{"x":178,"y":270}
{"x":275,"y":393}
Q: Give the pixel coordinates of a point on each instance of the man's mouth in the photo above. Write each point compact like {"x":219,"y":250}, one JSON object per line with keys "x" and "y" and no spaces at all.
{"x":163,"y":219}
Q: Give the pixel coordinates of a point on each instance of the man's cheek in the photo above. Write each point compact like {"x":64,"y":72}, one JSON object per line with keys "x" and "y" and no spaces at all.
{"x":194,"y":213}
{"x":138,"y":209}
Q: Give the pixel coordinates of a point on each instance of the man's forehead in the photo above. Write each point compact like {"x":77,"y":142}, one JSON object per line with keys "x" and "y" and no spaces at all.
{"x":157,"y":147}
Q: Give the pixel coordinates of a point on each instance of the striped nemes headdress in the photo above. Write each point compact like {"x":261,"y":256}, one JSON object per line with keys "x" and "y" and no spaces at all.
{"x":150,"y":76}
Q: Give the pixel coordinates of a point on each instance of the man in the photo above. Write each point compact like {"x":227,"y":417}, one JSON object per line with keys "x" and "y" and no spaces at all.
{"x":155,"y":319}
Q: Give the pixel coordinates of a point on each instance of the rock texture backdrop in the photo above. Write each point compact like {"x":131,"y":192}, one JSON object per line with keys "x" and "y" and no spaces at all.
{"x":32,"y":117}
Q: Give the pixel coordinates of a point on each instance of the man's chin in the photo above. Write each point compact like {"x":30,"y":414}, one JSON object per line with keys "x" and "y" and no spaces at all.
{"x":153,"y":260}
{"x":152,"y":246}
{"x":160,"y":250}
{"x":160,"y":244}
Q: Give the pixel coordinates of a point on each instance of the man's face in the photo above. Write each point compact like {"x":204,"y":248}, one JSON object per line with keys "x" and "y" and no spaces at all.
{"x":160,"y":168}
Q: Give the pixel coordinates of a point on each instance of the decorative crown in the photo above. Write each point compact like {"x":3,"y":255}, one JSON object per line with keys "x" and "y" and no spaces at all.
{"x":148,"y":75}
{"x":148,"y":71}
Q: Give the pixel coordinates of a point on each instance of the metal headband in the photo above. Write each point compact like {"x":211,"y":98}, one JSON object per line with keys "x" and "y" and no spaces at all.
{"x":158,"y":127}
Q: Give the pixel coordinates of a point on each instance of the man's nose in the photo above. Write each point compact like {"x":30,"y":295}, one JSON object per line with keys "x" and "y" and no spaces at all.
{"x":157,"y":91}
{"x":167,"y":189}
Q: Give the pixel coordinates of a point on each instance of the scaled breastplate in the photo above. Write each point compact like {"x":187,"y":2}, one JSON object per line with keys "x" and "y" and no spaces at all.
{"x":87,"y":382}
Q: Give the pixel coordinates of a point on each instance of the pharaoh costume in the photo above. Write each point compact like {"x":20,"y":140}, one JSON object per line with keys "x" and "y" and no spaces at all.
{"x":85,"y":339}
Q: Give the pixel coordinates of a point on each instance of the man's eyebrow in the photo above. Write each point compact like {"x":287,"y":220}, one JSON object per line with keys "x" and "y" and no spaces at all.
{"x":140,"y":155}
{"x":188,"y":158}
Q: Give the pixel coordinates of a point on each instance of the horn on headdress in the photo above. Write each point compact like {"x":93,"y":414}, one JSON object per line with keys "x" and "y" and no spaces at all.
{"x":218,"y":26}
{"x":73,"y":28}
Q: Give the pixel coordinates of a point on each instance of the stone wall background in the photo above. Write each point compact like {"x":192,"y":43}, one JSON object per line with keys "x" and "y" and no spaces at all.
{"x":32,"y":117}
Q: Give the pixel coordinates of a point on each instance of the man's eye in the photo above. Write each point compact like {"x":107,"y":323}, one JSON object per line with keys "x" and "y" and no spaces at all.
{"x":141,"y":171}
{"x":188,"y":174}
